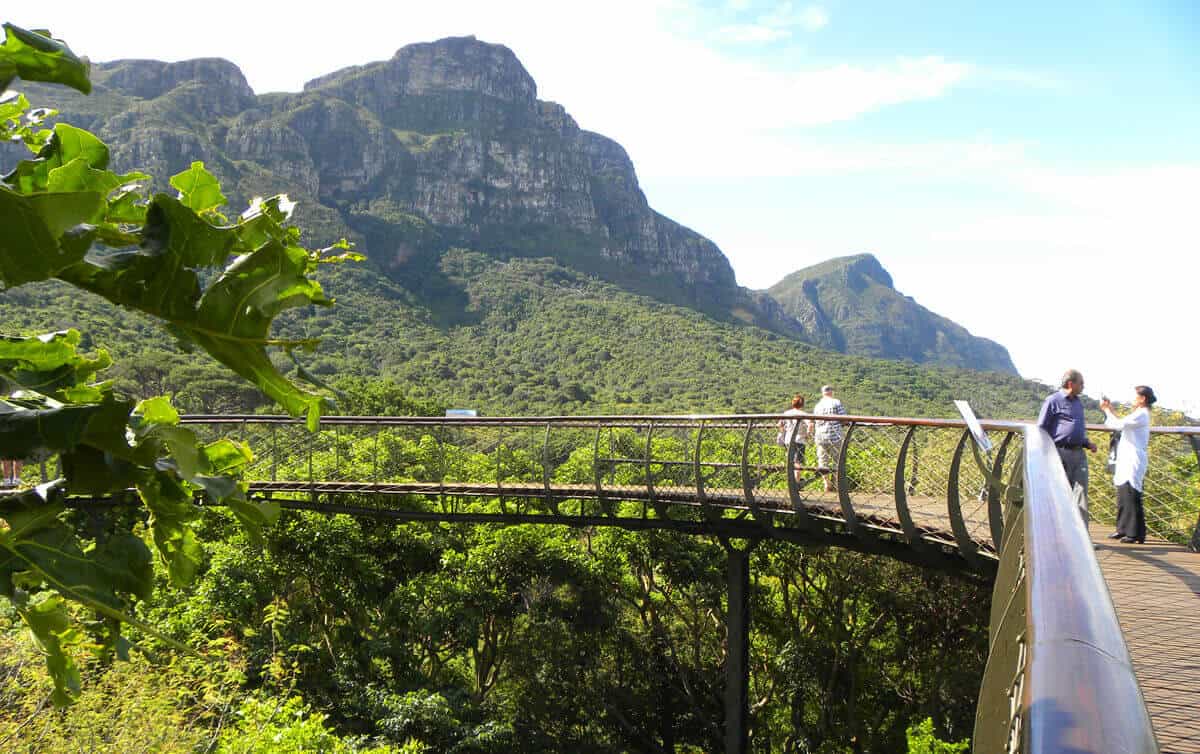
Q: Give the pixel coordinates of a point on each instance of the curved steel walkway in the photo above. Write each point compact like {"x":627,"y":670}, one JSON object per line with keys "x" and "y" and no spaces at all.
{"x":1060,"y":677}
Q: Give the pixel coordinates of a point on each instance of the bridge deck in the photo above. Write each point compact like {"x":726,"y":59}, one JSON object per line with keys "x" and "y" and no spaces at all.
{"x":1155,"y":588}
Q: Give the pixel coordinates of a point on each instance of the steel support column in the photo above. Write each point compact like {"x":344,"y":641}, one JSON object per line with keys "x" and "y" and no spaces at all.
{"x":737,"y":658}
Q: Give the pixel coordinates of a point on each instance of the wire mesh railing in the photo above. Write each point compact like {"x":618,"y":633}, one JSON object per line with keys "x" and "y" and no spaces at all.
{"x":913,"y":479}
{"x":652,"y":468}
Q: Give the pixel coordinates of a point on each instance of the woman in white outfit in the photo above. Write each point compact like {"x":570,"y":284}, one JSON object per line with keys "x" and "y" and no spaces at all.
{"x":1130,"y":471}
{"x":796,"y":431}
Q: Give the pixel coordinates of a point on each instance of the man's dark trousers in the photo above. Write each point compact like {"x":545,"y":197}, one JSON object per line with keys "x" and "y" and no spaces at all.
{"x":1074,"y":461}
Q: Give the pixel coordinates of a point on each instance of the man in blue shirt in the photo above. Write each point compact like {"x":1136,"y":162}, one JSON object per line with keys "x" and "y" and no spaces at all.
{"x":1062,"y":418}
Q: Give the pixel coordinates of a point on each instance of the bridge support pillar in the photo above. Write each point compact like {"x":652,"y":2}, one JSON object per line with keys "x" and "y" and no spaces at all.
{"x":737,"y":661}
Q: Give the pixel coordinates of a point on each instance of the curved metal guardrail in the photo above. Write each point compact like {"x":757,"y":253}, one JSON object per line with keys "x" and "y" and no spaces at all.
{"x":1058,"y":677}
{"x":900,"y":486}
{"x":897,"y":478}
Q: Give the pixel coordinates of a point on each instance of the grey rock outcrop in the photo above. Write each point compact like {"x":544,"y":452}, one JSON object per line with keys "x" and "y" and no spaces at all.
{"x":853,"y":302}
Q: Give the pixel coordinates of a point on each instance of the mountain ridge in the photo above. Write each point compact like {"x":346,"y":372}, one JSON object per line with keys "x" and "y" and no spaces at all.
{"x":856,"y":296}
{"x":444,"y":145}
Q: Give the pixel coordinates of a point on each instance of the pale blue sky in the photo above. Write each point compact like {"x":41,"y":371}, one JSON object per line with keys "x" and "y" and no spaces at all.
{"x":1026,"y":169}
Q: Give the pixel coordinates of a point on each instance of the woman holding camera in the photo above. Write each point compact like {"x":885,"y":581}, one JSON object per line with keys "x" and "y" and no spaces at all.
{"x":1130,"y":471}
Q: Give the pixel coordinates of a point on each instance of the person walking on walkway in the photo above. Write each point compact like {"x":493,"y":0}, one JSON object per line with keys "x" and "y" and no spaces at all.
{"x":11,"y":470}
{"x":828,"y":434}
{"x":1130,"y":471}
{"x":795,"y":431}
{"x":1062,"y":418}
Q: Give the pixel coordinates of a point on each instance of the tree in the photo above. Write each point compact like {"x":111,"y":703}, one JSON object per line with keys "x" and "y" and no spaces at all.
{"x":214,"y":284}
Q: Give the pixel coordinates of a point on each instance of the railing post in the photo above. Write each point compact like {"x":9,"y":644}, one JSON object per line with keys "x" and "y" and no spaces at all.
{"x":966,"y":546}
{"x":551,"y":501}
{"x":375,"y":457}
{"x":441,"y":444}
{"x":500,"y":470}
{"x":337,"y":452}
{"x":1194,"y":544}
{"x":900,"y":489}
{"x":996,"y":493}
{"x":649,"y":470}
{"x":312,"y":489}
{"x":698,"y":470}
{"x":998,"y":712}
{"x":843,"y":483}
{"x":599,"y":472}
{"x":747,"y":485}
{"x":737,"y":656}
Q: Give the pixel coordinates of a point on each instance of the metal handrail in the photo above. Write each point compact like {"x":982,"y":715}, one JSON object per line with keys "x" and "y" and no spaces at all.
{"x":1059,"y":676}
{"x":1168,"y":521}
{"x":722,"y":421}
{"x":590,"y":420}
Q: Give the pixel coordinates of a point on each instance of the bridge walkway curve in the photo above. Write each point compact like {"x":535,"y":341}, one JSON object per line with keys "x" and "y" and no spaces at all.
{"x":1155,"y":589}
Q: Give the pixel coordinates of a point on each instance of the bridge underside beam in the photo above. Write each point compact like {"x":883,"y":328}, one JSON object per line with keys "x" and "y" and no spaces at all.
{"x":944,"y":560}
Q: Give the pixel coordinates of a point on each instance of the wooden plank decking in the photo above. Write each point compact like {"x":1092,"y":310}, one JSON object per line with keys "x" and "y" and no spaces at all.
{"x":1155,"y":588}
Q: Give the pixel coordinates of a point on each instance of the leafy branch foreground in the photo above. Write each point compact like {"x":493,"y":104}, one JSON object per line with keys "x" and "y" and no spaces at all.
{"x":213,"y":283}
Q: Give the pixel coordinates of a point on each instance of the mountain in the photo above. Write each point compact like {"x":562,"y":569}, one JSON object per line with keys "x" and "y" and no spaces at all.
{"x":852,"y":302}
{"x":542,"y":339}
{"x":443,"y":147}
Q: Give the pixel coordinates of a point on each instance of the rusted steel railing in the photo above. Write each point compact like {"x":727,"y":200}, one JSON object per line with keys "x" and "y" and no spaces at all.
{"x":899,"y":485}
{"x":1059,"y":677}
{"x":895,"y":479}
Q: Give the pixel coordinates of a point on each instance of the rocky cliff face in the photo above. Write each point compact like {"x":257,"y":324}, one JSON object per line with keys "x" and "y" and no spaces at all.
{"x":853,"y":300}
{"x":446,"y":145}
{"x":452,"y":132}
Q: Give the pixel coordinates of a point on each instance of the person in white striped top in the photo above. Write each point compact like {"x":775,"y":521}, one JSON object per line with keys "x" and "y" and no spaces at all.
{"x":828,"y":434}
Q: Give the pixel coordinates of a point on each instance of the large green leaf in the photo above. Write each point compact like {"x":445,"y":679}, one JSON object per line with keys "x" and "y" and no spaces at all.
{"x":198,"y":189}
{"x":49,"y":364}
{"x":78,"y":175}
{"x":40,"y":353}
{"x":210,"y":282}
{"x":48,"y":621}
{"x":34,"y":56}
{"x":38,"y":550}
{"x":171,"y":513}
{"x":66,"y":144}
{"x":33,"y":245}
{"x":42,"y":432}
{"x":12,"y":107}
{"x":231,"y":319}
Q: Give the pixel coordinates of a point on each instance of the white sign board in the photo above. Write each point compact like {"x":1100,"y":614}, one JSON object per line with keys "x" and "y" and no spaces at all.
{"x":981,"y":438}
{"x":460,"y":412}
